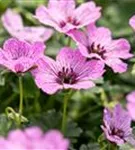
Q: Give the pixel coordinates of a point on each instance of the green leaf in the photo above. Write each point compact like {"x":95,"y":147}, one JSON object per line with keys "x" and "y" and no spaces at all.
{"x":2,"y":76}
{"x":102,"y":142}
{"x":49,"y":120}
{"x":126,"y":147}
{"x":52,"y":120}
{"x":31,"y":3}
{"x":5,"y":125}
{"x":73,"y":130}
{"x":90,"y":146}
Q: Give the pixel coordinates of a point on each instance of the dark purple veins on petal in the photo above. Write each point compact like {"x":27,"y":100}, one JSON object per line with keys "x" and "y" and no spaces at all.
{"x":118,"y":132}
{"x":73,"y":21}
{"x":70,"y":20}
{"x":97,"y":49}
{"x":67,"y":76}
{"x":62,"y":24}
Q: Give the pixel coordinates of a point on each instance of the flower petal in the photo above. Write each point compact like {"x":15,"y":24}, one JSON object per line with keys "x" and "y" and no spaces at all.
{"x":34,"y":34}
{"x":43,"y":16}
{"x":98,"y":35}
{"x":93,"y":70}
{"x":87,"y":13}
{"x":65,"y":6}
{"x":57,"y":140}
{"x":47,"y":83}
{"x":16,"y":48}
{"x":70,"y":58}
{"x":78,"y":36}
{"x":33,"y":132}
{"x":132,"y":22}
{"x":116,"y":64}
{"x":12,"y":21}
{"x":122,"y":119}
{"x":119,"y":49}
{"x":131,"y":109}
{"x":131,"y":97}
{"x":80,"y":85}
{"x":37,"y":50}
{"x":46,"y":76}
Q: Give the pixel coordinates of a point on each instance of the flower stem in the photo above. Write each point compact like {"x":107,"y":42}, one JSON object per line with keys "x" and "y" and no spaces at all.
{"x":21,"y":99}
{"x":64,"y":116}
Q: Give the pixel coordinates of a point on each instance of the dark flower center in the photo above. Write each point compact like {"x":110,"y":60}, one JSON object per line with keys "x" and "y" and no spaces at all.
{"x":118,"y":132}
{"x":67,"y":76}
{"x":71,"y":20}
{"x":98,"y":49}
{"x":62,"y":24}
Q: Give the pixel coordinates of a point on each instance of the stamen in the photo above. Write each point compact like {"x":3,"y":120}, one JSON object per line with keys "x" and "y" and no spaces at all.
{"x":98,"y":49}
{"x":117,"y":132}
{"x":67,"y":76}
{"x":62,"y":24}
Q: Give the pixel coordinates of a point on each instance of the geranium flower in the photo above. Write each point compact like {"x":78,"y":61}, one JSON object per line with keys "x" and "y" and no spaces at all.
{"x":34,"y":139}
{"x":63,"y":16}
{"x":70,"y":70}
{"x":20,"y":56}
{"x":131,"y":104}
{"x":13,"y":23}
{"x":117,"y":124}
{"x":97,"y":43}
{"x":132,"y":22}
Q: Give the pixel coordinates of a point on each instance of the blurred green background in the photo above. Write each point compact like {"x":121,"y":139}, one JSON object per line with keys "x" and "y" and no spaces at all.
{"x":85,"y":107}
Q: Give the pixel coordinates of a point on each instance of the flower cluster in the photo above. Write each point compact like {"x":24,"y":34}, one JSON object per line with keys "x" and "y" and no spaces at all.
{"x":72,"y":69}
{"x":97,"y":43}
{"x":34,"y":139}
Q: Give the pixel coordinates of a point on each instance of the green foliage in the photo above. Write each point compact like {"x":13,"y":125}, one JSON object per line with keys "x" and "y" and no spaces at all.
{"x":126,"y":147}
{"x":90,"y":146}
{"x":52,"y":120}
{"x":5,"y":125}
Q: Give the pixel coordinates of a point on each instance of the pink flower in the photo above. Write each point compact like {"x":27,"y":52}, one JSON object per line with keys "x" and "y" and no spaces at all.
{"x":97,"y":43}
{"x":63,"y":16}
{"x":34,"y":139}
{"x":131,"y":104}
{"x":70,"y":70}
{"x":19,"y":56}
{"x":14,"y":25}
{"x":132,"y":22}
{"x":117,"y":126}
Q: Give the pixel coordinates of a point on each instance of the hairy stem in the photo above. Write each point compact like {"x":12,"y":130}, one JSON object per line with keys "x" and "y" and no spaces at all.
{"x":64,"y":118}
{"x":21,"y":99}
